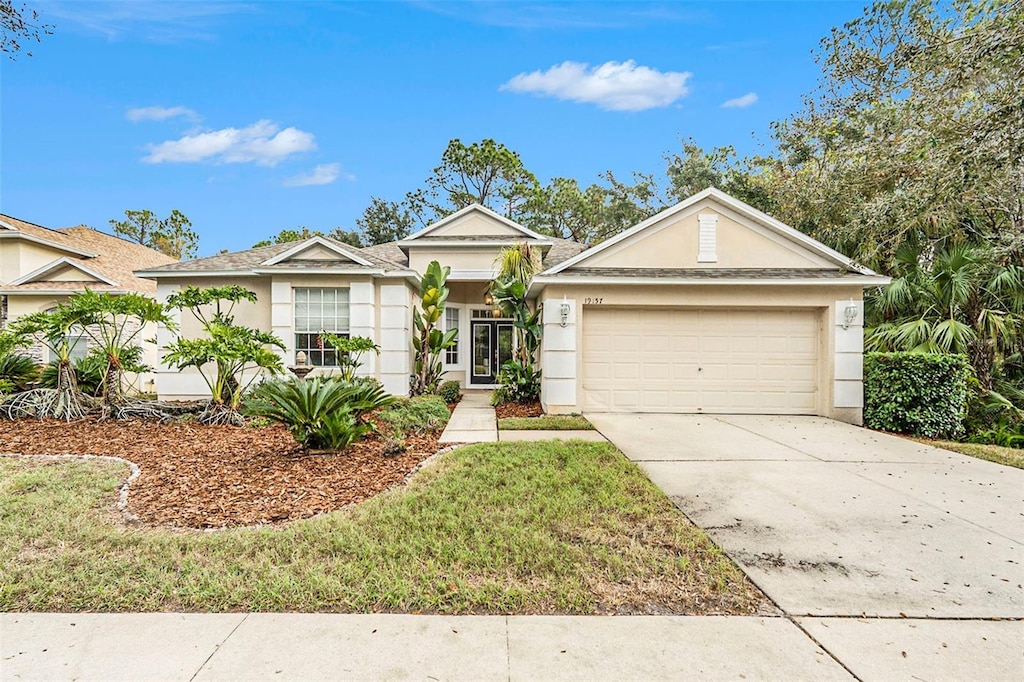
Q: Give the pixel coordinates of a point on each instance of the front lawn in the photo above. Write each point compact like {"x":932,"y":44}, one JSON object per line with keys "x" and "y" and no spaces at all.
{"x":1011,"y":457}
{"x":497,"y":528}
{"x":547,"y":422}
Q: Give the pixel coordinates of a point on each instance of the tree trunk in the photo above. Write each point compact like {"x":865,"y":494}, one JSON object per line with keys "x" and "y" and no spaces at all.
{"x":982,"y":355}
{"x":112,"y":393}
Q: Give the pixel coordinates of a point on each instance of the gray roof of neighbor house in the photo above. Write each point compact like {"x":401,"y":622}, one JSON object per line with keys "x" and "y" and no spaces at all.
{"x":113,"y":258}
{"x":561,"y":250}
{"x":253,"y":259}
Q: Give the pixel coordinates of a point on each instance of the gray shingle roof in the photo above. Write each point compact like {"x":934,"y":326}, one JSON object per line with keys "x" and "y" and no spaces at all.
{"x":252,"y":258}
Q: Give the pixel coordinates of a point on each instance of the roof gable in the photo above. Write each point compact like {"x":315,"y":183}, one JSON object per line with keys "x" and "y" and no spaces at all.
{"x":64,"y":270}
{"x":317,"y":248}
{"x":711,"y":230}
{"x":475,"y":221}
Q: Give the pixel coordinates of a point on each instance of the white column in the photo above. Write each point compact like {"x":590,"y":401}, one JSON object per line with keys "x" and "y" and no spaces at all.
{"x":848,"y":383}
{"x":361,"y":322}
{"x":558,"y":357}
{"x":395,"y":338}
{"x":282,"y":312}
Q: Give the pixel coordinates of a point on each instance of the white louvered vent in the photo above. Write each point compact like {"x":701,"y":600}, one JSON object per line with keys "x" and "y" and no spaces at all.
{"x":708,"y":238}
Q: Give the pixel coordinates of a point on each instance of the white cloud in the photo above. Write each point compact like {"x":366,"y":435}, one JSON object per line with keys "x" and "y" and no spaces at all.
{"x":262,"y":142}
{"x":160,"y":114}
{"x":613,"y":85}
{"x":323,"y":174}
{"x":743,"y":102}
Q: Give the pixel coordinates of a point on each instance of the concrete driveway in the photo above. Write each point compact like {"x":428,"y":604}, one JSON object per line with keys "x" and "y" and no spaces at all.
{"x":834,"y":521}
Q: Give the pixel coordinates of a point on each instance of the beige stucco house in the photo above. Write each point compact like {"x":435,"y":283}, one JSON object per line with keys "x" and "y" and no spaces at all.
{"x":41,"y":267}
{"x":708,"y":307}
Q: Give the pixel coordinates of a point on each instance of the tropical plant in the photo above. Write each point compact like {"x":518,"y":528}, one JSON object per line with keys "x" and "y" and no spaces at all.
{"x":229,"y":359}
{"x":349,"y":350}
{"x":17,"y":371}
{"x":956,"y":300}
{"x":321,"y":412}
{"x":428,"y":341}
{"x":114,"y":324}
{"x":516,"y":266}
{"x":89,"y":370}
{"x":51,"y":328}
{"x":520,"y":383}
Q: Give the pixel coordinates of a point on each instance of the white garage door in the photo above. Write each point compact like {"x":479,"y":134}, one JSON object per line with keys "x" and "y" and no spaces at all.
{"x":710,"y":360}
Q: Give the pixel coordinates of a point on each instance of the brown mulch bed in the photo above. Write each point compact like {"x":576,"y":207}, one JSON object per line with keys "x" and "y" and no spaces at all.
{"x":518,"y":410}
{"x":214,"y":476}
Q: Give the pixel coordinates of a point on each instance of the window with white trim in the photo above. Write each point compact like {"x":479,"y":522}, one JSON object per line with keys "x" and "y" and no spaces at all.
{"x":320,"y":310}
{"x":451,"y":321}
{"x":79,"y":345}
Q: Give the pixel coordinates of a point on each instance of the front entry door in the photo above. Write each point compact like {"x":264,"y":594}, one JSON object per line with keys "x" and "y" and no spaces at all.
{"x":492,"y":347}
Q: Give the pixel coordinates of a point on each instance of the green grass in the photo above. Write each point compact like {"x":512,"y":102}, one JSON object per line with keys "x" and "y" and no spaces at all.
{"x":496,"y":528}
{"x":1011,"y":457}
{"x":549,"y":422}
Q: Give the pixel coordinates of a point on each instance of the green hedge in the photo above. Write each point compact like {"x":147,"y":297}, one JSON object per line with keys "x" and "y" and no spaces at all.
{"x":922,"y":394}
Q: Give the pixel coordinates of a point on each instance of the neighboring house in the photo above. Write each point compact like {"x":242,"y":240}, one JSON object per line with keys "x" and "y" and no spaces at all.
{"x":708,"y":307}
{"x":41,"y":267}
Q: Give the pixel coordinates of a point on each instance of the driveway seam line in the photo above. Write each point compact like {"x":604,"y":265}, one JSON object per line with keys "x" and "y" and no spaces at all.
{"x":821,"y":646}
{"x":218,"y":647}
{"x":508,"y":652}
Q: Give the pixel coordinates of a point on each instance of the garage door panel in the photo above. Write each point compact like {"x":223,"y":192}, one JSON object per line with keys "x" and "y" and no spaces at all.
{"x":687,"y":360}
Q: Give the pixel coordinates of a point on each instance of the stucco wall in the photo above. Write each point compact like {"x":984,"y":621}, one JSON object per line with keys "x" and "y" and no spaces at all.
{"x":475,"y":224}
{"x":458,"y":259}
{"x":378,"y":309}
{"x":840,"y":388}
{"x":673,"y":243}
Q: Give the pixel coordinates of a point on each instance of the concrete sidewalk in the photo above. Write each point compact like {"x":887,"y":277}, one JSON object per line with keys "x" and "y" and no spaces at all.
{"x":167,"y":646}
{"x":473,"y":420}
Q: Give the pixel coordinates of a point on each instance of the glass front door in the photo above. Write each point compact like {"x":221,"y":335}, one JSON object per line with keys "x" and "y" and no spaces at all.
{"x":492,"y":347}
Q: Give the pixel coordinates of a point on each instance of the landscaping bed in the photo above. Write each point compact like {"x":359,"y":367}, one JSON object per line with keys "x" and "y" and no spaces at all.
{"x":212,"y":476}
{"x":519,"y":528}
{"x":507,"y":410}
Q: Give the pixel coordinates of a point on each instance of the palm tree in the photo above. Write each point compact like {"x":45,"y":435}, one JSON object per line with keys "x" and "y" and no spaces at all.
{"x":957,"y":300}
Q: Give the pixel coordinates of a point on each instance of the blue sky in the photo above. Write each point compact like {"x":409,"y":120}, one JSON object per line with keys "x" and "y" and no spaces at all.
{"x":252,"y":117}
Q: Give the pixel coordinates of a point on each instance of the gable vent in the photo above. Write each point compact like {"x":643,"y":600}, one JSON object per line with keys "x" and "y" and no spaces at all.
{"x":707,"y":238}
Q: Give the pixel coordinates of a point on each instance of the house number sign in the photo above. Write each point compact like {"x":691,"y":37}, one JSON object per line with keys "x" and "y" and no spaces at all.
{"x":593,"y":301}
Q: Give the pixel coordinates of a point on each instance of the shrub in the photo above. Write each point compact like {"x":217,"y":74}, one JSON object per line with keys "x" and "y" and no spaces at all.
{"x":450,"y":391}
{"x":921,"y":394}
{"x":520,"y":383}
{"x":17,"y":372}
{"x":411,"y":415}
{"x":321,"y":413}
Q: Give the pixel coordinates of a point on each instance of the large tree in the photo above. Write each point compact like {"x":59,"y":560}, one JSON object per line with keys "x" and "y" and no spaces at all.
{"x":172,"y":235}
{"x":385,"y":221}
{"x":590,"y":215}
{"x":18,"y":25}
{"x":916,"y":133}
{"x":485,"y":172}
{"x":287,"y":235}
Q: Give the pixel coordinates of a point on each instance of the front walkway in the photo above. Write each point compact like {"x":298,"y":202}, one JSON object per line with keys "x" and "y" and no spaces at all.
{"x":472,"y":421}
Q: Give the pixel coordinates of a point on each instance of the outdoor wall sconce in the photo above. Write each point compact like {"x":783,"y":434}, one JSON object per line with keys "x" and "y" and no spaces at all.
{"x":488,"y":299}
{"x":563,"y":311}
{"x":849,"y":314}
